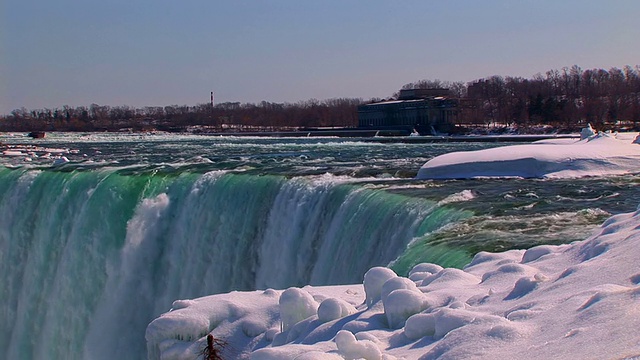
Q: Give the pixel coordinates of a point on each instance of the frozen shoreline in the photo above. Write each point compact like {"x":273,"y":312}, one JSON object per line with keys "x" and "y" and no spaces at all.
{"x":598,"y":155}
{"x":568,"y":301}
{"x":578,"y":300}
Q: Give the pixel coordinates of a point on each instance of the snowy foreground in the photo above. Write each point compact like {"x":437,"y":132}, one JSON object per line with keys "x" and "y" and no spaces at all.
{"x":575,"y":301}
{"x":593,"y":155}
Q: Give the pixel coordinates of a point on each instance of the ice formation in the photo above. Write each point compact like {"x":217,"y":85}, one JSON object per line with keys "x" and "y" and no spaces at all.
{"x":594,"y":155}
{"x":578,"y":300}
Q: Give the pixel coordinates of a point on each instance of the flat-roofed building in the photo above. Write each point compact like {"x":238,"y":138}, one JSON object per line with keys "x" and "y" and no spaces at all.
{"x":422,"y":110}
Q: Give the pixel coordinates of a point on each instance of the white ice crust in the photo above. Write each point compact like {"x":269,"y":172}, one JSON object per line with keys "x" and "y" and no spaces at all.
{"x":598,"y":154}
{"x":574,"y":301}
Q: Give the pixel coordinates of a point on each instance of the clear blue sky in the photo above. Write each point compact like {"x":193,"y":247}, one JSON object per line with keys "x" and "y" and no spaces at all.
{"x":163,"y":52}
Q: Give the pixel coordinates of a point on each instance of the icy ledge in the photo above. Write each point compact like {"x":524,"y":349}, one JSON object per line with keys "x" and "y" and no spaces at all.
{"x":596,"y":155}
{"x":574,"y":301}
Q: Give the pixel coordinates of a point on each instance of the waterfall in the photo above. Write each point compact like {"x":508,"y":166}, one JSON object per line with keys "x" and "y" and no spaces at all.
{"x":89,"y":258}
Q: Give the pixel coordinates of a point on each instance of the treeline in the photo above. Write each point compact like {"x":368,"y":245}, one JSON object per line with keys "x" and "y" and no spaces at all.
{"x":228,"y":116}
{"x":566,"y":98}
{"x":563,"y":98}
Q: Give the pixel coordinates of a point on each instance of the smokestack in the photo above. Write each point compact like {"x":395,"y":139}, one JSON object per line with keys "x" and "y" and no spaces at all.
{"x":212,"y":99}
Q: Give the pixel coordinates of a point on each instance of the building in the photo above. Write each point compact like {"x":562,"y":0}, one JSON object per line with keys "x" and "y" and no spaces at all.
{"x":422,"y":110}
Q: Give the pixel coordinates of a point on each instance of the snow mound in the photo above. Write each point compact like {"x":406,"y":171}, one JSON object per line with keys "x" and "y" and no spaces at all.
{"x":334,"y":309}
{"x":351,"y":348}
{"x":596,"y":155}
{"x":580,"y":300}
{"x":374,"y":279}
{"x":295,"y":306}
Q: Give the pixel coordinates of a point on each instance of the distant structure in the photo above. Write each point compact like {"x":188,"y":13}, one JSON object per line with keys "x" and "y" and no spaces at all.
{"x":36,"y":134}
{"x":477,"y":89}
{"x":426,"y":111}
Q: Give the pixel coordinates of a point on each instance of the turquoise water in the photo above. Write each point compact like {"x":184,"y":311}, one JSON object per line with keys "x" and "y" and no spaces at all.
{"x":94,"y":249}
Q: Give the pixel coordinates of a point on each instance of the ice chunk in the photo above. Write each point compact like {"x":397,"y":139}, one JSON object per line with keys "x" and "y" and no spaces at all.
{"x":350,"y":348}
{"x":401,"y":304}
{"x":420,"y":325}
{"x":61,"y":160}
{"x":396,"y":283}
{"x":425,"y":268}
{"x":333,"y":309}
{"x":296,"y":305}
{"x":587,"y":132}
{"x":447,"y":320}
{"x":373,"y":281}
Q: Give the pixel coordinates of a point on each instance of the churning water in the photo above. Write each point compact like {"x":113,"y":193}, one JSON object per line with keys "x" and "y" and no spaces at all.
{"x":93,"y":249}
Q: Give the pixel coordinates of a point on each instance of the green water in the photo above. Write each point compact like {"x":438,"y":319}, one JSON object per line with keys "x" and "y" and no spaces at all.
{"x":94,"y":248}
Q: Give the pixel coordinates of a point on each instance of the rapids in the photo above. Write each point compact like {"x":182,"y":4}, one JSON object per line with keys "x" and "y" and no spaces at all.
{"x":94,"y":249}
{"x":89,"y":258}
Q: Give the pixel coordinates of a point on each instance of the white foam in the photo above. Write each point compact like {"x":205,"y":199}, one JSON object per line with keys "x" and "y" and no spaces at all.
{"x":464,"y":195}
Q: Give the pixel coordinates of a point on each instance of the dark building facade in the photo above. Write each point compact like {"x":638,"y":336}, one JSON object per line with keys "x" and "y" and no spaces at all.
{"x":423,"y":110}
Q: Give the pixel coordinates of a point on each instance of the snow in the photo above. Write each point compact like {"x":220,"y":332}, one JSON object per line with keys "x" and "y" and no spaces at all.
{"x":333,"y":309}
{"x":374,"y":279}
{"x":61,"y":160}
{"x":579,"y":300}
{"x":13,"y":153}
{"x":351,"y":348}
{"x":598,"y":154}
{"x":295,"y":306}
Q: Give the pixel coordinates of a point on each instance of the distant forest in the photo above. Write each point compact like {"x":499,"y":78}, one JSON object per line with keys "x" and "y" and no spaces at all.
{"x":564,"y":99}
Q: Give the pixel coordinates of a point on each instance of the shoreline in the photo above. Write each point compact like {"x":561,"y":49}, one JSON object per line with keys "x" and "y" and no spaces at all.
{"x":374,"y":136}
{"x":365,"y":137}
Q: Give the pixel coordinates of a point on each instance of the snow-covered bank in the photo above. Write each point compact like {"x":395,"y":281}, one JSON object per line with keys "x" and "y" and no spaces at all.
{"x":597,"y":155}
{"x":580,"y":300}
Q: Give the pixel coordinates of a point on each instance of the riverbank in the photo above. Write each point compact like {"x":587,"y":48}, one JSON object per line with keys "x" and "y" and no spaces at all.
{"x":399,"y":136}
{"x":379,"y":136}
